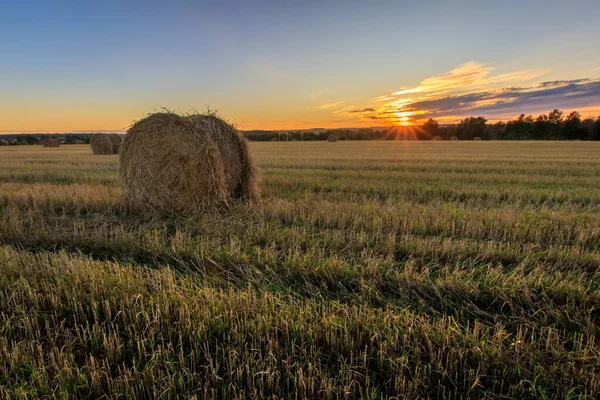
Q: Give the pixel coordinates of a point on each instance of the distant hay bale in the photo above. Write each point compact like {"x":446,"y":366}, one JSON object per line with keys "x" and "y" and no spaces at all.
{"x":477,"y":138}
{"x":274,"y":139}
{"x":437,"y":138}
{"x":3,"y":142}
{"x":453,"y":138}
{"x":115,"y":142}
{"x":185,"y":164}
{"x":51,"y":142}
{"x":102,"y":144}
{"x":332,"y":138}
{"x":78,"y":141}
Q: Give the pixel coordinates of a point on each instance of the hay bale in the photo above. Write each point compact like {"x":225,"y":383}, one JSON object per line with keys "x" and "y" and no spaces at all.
{"x":332,"y":138}
{"x":274,"y":139}
{"x":3,"y":142}
{"x":115,"y":141}
{"x":477,"y":138}
{"x":185,"y":164}
{"x":453,"y":138}
{"x":102,"y":144}
{"x":437,"y":138}
{"x":51,"y":142}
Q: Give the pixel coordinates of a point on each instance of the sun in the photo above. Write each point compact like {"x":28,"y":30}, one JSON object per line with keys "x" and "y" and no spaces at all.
{"x":404,"y":121}
{"x":403,"y":118}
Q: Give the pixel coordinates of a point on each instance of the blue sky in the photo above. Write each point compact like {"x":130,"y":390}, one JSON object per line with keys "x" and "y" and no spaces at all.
{"x":67,"y":66}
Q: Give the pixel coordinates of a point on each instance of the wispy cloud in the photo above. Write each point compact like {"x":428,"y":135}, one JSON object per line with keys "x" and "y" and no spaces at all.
{"x":473,"y":89}
{"x":464,"y":75}
{"x":331,"y":105}
{"x":316,"y":93}
{"x":364,"y":110}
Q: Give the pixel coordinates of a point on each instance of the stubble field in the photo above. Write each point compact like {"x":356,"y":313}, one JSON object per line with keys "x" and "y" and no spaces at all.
{"x":368,"y":270}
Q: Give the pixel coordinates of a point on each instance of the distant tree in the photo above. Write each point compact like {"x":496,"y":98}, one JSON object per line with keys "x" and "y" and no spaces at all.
{"x":28,"y":139}
{"x":496,"y":130}
{"x":431,"y":126}
{"x":572,"y":129}
{"x":283,"y":136}
{"x":519,"y":129}
{"x":555,"y":118}
{"x":542,"y":128}
{"x":596,"y":130}
{"x":471,"y":127}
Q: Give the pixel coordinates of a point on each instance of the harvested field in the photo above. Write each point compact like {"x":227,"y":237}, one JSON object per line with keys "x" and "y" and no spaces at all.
{"x":367,"y":270}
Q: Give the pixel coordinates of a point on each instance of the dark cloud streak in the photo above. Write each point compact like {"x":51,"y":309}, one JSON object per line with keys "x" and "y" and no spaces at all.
{"x":546,"y":95}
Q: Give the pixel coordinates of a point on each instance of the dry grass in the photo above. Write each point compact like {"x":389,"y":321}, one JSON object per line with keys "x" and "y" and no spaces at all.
{"x":369,"y":270}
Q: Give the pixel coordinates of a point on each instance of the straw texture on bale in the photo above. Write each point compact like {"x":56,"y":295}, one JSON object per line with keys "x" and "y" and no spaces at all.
{"x":102,"y":144}
{"x":332,"y":138}
{"x":51,"y":142}
{"x":437,"y":138}
{"x":115,"y":142}
{"x":453,"y":138}
{"x":185,"y":164}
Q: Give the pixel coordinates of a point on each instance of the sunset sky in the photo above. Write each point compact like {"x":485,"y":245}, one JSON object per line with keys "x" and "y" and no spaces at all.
{"x":69,"y":66}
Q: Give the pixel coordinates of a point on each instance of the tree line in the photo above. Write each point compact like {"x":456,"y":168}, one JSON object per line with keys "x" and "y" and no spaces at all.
{"x":342,"y":134}
{"x":38,"y":138}
{"x":551,"y":126}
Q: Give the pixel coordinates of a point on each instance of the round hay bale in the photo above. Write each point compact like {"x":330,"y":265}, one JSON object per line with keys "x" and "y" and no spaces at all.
{"x":3,"y":142}
{"x":437,"y":138}
{"x":332,"y":138}
{"x":115,"y":142}
{"x":101,"y":144}
{"x":185,"y":164}
{"x":274,"y":139}
{"x":51,"y":142}
{"x":453,"y":138}
{"x":477,"y":138}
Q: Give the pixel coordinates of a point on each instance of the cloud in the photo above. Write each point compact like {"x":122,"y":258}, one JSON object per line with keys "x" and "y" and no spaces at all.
{"x":331,"y":105}
{"x":361,"y":111}
{"x":531,"y":99}
{"x":470,"y":89}
{"x":317,"y":93}
{"x":561,"y":83}
{"x":464,"y":75}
